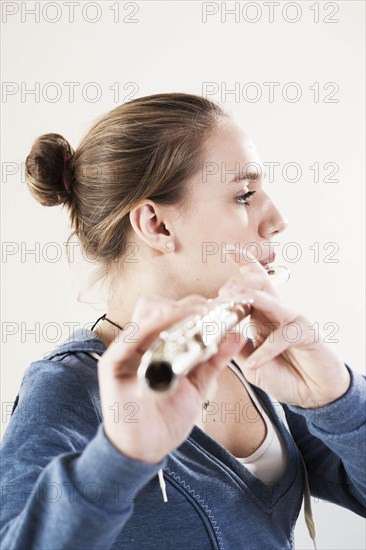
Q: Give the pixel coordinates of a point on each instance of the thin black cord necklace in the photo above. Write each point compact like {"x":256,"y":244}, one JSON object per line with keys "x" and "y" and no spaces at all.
{"x":104,"y":318}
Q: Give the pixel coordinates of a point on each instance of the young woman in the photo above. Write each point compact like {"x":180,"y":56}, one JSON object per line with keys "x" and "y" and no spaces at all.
{"x":88,"y":455}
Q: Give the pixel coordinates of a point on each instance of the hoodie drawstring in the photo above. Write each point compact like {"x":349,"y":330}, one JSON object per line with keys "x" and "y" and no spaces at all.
{"x":307,"y":506}
{"x":162,"y":485}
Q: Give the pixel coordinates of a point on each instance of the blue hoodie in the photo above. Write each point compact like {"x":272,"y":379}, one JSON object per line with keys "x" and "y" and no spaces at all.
{"x":66,"y":486}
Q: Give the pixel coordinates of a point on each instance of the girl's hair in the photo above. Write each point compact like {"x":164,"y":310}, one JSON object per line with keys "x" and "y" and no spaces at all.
{"x":147,"y":148}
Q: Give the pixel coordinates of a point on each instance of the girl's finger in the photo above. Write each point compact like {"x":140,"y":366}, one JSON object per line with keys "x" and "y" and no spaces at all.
{"x":193,"y":299}
{"x":273,"y":346}
{"x":150,"y":318}
{"x":248,"y":282}
{"x":275,"y":311}
{"x":201,"y":376}
{"x":253,"y":275}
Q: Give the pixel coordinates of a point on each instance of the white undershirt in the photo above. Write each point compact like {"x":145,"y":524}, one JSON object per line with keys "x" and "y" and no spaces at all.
{"x":269,"y":461}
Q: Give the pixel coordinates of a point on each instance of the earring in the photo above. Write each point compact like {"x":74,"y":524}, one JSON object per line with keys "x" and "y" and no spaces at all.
{"x":169,"y":244}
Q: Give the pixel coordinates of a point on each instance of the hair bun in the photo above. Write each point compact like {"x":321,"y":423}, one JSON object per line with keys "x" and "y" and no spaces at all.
{"x":46,"y":170}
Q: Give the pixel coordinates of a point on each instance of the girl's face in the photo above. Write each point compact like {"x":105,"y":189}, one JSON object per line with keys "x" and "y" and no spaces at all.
{"x":229,"y":207}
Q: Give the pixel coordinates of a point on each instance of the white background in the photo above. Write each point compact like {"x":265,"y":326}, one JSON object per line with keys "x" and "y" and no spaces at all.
{"x":170,"y":48}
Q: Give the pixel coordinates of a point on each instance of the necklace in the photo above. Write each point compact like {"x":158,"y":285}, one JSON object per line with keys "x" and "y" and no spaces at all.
{"x":105,"y":318}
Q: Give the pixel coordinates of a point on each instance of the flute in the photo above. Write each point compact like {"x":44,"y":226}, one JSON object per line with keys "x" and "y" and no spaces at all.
{"x":190,"y":341}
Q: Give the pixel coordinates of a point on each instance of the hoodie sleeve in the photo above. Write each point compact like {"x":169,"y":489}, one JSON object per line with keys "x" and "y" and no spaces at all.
{"x":332,"y":440}
{"x":61,"y":475}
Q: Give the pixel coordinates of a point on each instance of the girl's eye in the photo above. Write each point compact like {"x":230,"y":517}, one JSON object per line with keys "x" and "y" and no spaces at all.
{"x":242,"y":199}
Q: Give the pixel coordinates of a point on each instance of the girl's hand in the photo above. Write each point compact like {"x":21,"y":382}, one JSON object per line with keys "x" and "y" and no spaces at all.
{"x":141,"y":424}
{"x":287,"y":362}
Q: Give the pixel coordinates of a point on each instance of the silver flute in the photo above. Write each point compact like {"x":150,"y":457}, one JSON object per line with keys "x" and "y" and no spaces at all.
{"x":194,"y":339}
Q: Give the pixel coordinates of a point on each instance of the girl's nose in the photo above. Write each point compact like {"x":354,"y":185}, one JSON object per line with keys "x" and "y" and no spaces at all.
{"x":273,"y":223}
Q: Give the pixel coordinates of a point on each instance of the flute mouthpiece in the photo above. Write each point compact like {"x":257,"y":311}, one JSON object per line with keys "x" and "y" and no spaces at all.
{"x":279,"y":274}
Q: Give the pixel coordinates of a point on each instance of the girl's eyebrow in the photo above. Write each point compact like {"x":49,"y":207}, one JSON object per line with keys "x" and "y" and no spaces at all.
{"x":249,"y":175}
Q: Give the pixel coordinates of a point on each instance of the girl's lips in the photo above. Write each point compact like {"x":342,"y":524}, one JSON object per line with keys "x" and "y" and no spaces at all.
{"x":268,"y":263}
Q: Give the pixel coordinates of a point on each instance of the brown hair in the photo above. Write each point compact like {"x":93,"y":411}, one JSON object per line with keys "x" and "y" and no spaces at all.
{"x":147,"y":148}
